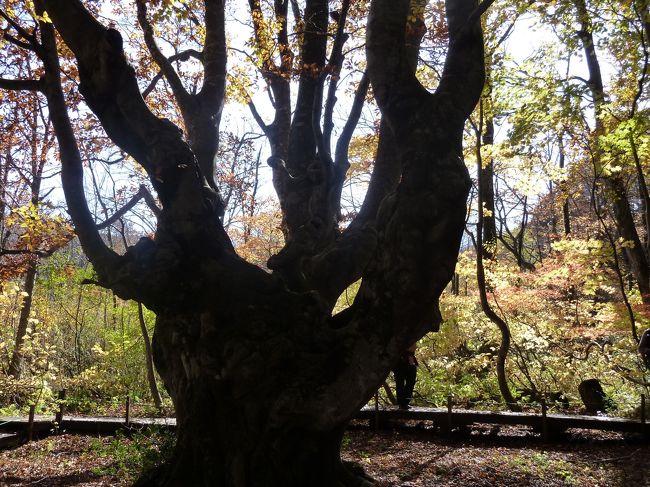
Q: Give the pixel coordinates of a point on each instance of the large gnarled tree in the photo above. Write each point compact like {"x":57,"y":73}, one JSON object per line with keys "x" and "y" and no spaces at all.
{"x":263,"y":377}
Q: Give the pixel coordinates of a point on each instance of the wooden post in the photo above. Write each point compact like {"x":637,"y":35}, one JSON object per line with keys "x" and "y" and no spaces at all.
{"x":30,"y":423}
{"x":377,"y":410}
{"x":544,"y":420}
{"x":455,"y":284}
{"x":127,"y":413}
{"x":642,"y":408}
{"x":643,"y":421}
{"x":59,"y":415}
{"x":450,"y":419}
{"x":643,"y":425}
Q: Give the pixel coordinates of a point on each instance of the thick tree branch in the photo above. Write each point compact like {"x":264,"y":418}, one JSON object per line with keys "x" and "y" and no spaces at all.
{"x":349,"y":256}
{"x":324,"y":150}
{"x":30,"y":38}
{"x":201,"y":112}
{"x":334,"y":68}
{"x":341,"y":158}
{"x":302,"y":143}
{"x":17,"y":42}
{"x":258,"y":118}
{"x":37,"y":253}
{"x":295,"y":9}
{"x":464,"y":28}
{"x":151,"y":201}
{"x":342,"y":264}
{"x":163,"y":63}
{"x":478,"y":11}
{"x":104,"y":259}
{"x":214,"y":58}
{"x":22,"y":84}
{"x":419,"y":225}
{"x":281,"y":8}
{"x":124,"y":210}
{"x":190,"y":208}
{"x":277,"y":78}
{"x":110,"y":88}
{"x":181,"y":56}
{"x":388,"y":67}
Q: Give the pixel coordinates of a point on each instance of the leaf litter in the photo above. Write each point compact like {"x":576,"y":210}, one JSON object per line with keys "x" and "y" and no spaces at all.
{"x":406,"y":457}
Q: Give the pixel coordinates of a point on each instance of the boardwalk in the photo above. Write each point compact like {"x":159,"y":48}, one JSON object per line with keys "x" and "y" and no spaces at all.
{"x":81,"y":424}
{"x":15,"y":429}
{"x":551,"y":423}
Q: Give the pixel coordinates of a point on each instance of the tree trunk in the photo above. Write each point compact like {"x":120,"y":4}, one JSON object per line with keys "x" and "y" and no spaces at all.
{"x":486,"y":167}
{"x":644,"y":195}
{"x":148,"y":358}
{"x":243,"y":457}
{"x":614,"y":182}
{"x":248,"y":411}
{"x":566,"y":216}
{"x":18,"y":358}
{"x":4,"y":175}
{"x":504,"y":330}
{"x":627,"y":229}
{"x":263,"y":377}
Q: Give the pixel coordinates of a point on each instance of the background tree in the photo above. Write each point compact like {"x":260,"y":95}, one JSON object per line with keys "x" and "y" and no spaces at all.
{"x":29,"y":227}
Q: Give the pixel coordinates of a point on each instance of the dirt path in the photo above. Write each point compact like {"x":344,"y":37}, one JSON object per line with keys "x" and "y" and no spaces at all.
{"x":417,"y":458}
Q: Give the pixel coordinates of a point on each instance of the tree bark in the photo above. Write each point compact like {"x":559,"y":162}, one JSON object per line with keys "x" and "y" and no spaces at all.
{"x":201,"y":111}
{"x":262,"y":376}
{"x":617,"y":193}
{"x":4,"y":176}
{"x":37,"y":163}
{"x":148,"y":358}
{"x":566,"y":215}
{"x":18,"y":357}
{"x":644,"y":195}
{"x":486,"y":168}
{"x":504,"y":330}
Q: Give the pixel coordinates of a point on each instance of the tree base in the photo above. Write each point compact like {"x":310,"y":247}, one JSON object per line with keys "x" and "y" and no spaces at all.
{"x":171,"y":474}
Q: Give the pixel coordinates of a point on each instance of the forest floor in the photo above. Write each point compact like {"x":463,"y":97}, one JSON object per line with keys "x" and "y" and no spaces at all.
{"x":413,"y":457}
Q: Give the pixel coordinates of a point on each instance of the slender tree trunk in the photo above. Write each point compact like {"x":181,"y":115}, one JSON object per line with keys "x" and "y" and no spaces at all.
{"x":617,"y":193}
{"x":643,"y":194}
{"x":148,"y":359}
{"x":520,"y":236}
{"x":18,"y":358}
{"x":486,"y":167}
{"x":617,"y":266}
{"x":566,"y":216}
{"x":553,"y":197}
{"x":627,"y":229}
{"x":37,"y":164}
{"x":489,"y":312}
{"x":4,"y":175}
